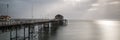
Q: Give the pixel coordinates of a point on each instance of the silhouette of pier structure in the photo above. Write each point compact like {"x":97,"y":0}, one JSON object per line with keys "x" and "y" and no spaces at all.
{"x":34,"y":29}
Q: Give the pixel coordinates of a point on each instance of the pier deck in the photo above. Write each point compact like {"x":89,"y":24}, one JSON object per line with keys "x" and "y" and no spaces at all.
{"x":14,"y":22}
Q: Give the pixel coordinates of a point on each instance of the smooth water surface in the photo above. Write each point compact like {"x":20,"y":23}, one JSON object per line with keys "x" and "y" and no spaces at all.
{"x":89,"y":30}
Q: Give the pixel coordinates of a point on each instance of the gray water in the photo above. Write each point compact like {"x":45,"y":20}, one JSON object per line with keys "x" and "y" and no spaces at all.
{"x":83,"y":30}
{"x":89,"y":30}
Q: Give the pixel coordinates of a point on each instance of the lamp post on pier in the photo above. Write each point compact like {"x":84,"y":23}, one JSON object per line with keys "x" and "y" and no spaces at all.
{"x":32,"y":11}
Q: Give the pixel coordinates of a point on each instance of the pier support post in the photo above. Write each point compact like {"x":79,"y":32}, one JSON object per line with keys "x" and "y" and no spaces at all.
{"x":41,"y":32}
{"x":49,"y":25}
{"x":10,"y":34}
{"x":16,"y":33}
{"x":29,"y":32}
{"x":32,"y":29}
{"x":24,"y":33}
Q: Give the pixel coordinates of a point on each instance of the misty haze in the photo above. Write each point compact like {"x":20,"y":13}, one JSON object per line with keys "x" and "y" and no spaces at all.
{"x":59,"y":19}
{"x":71,"y":9}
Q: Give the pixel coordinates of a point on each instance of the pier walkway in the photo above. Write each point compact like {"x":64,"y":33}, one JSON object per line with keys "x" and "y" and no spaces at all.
{"x":29,"y":29}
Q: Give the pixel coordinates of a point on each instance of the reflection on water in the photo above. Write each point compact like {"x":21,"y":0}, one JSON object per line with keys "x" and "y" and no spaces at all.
{"x":89,"y":30}
{"x":77,"y":30}
{"x":109,"y":29}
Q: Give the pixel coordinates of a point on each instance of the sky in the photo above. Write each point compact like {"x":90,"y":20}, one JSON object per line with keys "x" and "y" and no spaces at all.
{"x":70,"y":9}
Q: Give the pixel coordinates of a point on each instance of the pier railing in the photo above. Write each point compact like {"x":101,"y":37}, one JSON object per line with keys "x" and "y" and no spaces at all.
{"x":31,"y":30}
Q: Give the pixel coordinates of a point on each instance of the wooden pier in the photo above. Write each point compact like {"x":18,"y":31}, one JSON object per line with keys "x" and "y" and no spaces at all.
{"x":44,"y":27}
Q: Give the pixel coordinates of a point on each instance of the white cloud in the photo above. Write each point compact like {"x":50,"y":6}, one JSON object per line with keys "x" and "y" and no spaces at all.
{"x":76,"y":0}
{"x":92,"y":9}
{"x":115,"y":2}
{"x":96,"y":4}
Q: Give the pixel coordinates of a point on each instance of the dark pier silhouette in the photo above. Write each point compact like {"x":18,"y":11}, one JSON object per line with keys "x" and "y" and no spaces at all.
{"x":30,"y":29}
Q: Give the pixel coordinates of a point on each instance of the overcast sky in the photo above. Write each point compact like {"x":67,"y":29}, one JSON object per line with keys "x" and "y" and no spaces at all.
{"x":70,"y":9}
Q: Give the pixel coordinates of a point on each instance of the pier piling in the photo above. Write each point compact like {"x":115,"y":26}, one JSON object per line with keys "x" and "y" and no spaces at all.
{"x":28,"y":27}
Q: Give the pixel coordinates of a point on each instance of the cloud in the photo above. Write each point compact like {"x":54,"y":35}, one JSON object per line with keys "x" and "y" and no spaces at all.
{"x":114,"y":2}
{"x":96,"y":4}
